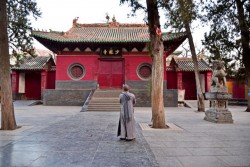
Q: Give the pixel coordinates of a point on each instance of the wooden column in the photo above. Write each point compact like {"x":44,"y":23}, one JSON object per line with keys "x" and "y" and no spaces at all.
{"x":44,"y":80}
{"x":208,"y":81}
{"x":14,"y":82}
{"x":179,"y":80}
{"x":165,"y":72}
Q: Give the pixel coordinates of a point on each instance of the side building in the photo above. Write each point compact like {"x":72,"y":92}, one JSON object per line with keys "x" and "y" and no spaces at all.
{"x":32,"y":77}
{"x":180,"y":72}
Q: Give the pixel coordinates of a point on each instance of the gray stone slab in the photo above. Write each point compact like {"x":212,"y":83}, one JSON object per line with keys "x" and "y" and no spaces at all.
{"x":180,"y":144}
{"x":9,"y":157}
{"x":169,"y":162}
{"x":208,"y":151}
{"x":204,"y":161}
{"x":170,"y":152}
{"x":5,"y":142}
{"x":59,"y":159}
{"x":236,"y":160}
{"x":239,"y":151}
{"x":28,"y":146}
{"x":64,"y":136}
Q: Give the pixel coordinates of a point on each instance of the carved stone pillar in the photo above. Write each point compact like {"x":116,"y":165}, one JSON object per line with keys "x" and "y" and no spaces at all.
{"x":218,"y":108}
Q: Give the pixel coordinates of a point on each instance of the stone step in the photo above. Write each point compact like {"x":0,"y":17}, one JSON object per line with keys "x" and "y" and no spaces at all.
{"x":103,"y":110}
{"x":110,"y":93}
{"x":103,"y":106}
{"x":105,"y":100}
{"x":106,"y":104}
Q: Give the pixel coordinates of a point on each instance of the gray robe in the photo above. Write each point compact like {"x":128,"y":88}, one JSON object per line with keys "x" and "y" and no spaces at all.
{"x":126,"y":127}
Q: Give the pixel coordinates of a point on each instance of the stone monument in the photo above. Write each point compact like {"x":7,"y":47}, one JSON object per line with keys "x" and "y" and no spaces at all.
{"x":218,"y":96}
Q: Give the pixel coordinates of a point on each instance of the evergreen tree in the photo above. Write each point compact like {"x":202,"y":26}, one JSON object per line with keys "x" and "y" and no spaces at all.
{"x":15,"y":32}
{"x":19,"y":24}
{"x":229,"y":36}
{"x":19,"y":13}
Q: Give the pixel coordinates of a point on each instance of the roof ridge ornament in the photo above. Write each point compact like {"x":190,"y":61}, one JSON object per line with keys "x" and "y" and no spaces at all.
{"x":107,"y":17}
{"x":114,"y":23}
{"x":113,"y":19}
{"x":75,"y":21}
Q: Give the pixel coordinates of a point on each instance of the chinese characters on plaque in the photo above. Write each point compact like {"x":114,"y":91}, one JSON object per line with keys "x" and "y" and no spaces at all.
{"x":111,"y":51}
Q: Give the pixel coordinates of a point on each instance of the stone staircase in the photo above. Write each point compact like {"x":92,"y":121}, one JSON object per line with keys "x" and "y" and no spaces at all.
{"x":105,"y":100}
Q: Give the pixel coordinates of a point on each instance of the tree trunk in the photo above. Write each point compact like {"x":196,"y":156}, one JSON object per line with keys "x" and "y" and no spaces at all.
{"x":200,"y":97}
{"x":244,"y":31}
{"x":157,"y":49}
{"x":8,"y":121}
{"x":248,"y":95}
{"x":157,"y":85}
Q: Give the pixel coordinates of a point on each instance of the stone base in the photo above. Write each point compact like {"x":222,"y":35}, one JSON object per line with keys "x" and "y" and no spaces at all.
{"x":143,"y":98}
{"x":218,"y":116}
{"x":52,"y":97}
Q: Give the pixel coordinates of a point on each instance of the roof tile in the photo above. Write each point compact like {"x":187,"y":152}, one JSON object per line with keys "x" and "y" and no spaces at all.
{"x":186,"y":64}
{"x":37,"y":63}
{"x":104,"y":33}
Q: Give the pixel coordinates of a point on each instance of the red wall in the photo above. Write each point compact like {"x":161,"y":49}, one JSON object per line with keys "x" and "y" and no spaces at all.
{"x":51,"y":80}
{"x":90,"y":62}
{"x":238,"y":91}
{"x":172,"y":80}
{"x":132,"y":61}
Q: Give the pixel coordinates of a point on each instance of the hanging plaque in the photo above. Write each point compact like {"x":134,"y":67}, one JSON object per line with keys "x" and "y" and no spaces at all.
{"x":111,"y":51}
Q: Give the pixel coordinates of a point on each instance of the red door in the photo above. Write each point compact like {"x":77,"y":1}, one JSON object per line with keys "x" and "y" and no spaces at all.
{"x":33,"y":86}
{"x":188,"y":80}
{"x":110,"y":74}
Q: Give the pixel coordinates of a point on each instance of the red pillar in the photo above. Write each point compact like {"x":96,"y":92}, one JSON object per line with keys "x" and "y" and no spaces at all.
{"x":14,"y":82}
{"x":44,"y":80}
{"x":179,"y":80}
{"x":165,"y":71}
{"x":208,"y":80}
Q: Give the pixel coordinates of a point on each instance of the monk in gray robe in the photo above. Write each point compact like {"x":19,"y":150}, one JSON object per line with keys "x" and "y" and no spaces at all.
{"x":126,"y":127}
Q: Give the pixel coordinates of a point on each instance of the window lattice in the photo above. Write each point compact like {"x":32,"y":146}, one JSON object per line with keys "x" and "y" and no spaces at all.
{"x":144,"y":71}
{"x":76,"y":71}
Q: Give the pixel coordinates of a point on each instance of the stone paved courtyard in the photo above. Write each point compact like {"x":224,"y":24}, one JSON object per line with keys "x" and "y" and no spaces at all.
{"x":64,"y":136}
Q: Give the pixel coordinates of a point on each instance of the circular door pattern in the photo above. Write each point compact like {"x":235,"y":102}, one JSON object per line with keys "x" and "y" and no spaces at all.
{"x":76,"y":71}
{"x":144,"y":71}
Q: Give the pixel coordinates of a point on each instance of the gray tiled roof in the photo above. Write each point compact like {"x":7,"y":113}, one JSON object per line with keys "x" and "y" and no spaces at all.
{"x":96,"y":33}
{"x":37,"y":63}
{"x":187,"y":64}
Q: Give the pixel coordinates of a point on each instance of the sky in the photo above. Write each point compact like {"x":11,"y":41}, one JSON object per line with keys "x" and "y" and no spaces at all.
{"x":57,"y":15}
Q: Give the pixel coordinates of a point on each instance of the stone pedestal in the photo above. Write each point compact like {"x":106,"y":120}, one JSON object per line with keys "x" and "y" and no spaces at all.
{"x":218,"y":111}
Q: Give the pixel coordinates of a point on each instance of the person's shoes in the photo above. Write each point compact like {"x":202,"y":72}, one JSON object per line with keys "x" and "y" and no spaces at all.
{"x":129,"y":139}
{"x":122,"y":139}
